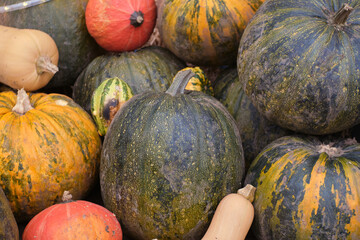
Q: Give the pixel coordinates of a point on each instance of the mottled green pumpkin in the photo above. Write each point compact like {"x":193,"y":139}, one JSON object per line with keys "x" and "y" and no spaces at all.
{"x":64,"y":21}
{"x":48,"y":144}
{"x":107,"y":100}
{"x":9,"y":229}
{"x":300,"y":64}
{"x":256,"y":131}
{"x":167,"y":160}
{"x":204,"y":32}
{"x":306,"y":189}
{"x":149,"y":68}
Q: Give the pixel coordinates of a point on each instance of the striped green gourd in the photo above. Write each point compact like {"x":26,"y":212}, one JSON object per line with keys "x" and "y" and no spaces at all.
{"x":107,"y":100}
{"x":168,"y":159}
{"x":300,"y":63}
{"x":307,"y":189}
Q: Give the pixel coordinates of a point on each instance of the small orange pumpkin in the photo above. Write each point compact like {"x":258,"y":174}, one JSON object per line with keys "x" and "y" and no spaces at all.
{"x":73,"y":220}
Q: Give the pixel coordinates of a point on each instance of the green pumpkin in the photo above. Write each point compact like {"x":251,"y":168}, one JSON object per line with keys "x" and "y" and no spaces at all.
{"x":256,"y":131}
{"x":9,"y":229}
{"x":64,"y":21}
{"x":300,"y":63}
{"x":107,"y":100}
{"x":168,"y":159}
{"x":306,"y":189}
{"x":149,"y":68}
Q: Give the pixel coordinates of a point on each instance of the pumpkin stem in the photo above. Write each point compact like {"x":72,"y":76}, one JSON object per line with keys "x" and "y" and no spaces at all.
{"x":136,"y":18}
{"x":67,"y":197}
{"x":330,"y":150}
{"x":44,"y":64}
{"x":247,"y":192}
{"x":22,"y":102}
{"x":338,"y":19}
{"x":180,"y":81}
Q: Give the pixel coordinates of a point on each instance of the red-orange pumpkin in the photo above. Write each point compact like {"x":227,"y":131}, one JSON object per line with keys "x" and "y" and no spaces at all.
{"x":73,"y":220}
{"x":119,"y":25}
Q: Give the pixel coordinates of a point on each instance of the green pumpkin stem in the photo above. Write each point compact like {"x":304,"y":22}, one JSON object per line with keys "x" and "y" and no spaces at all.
{"x":22,"y":102}
{"x":180,"y":81}
{"x":44,"y":64}
{"x":247,"y":192}
{"x":342,"y":15}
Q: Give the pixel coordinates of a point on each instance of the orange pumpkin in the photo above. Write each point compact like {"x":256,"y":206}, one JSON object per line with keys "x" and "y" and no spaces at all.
{"x":71,"y":220}
{"x":48,"y":144}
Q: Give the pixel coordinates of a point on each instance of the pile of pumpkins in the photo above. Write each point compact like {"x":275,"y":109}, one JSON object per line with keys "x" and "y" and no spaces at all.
{"x":118,"y":93}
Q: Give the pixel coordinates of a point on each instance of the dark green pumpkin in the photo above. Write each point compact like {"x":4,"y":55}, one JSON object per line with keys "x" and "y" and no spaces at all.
{"x":256,"y":131}
{"x":306,"y":189}
{"x":168,"y":159}
{"x":300,"y":66}
{"x":64,"y":21}
{"x":149,"y":68}
{"x":9,"y":229}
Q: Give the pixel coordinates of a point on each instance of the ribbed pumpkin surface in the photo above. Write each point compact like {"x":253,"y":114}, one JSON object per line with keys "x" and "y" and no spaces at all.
{"x":64,"y":21}
{"x":150,"y":68}
{"x":300,"y":68}
{"x":166,"y":163}
{"x":51,"y":148}
{"x":256,"y":131}
{"x":306,"y":189}
{"x":8,"y":226}
{"x":205,"y":32}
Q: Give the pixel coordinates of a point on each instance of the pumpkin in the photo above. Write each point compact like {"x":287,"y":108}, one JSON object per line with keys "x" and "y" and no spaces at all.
{"x":64,"y":21}
{"x":199,"y":82}
{"x":306,"y":189}
{"x":168,"y":158}
{"x":119,"y":25}
{"x":48,"y":144}
{"x":299,"y":62}
{"x":144,"y":69}
{"x":9,"y":229}
{"x":255,"y":129}
{"x":71,"y":220}
{"x":205,"y":32}
{"x":29,"y":58}
{"x":107,"y":100}
{"x":233,"y":216}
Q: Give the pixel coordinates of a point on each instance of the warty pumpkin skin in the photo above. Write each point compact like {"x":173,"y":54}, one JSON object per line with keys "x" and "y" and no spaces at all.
{"x":300,"y":67}
{"x":149,"y":68}
{"x":9,"y":229}
{"x":306,"y":189}
{"x":167,"y":161}
{"x":256,"y":130}
{"x":47,"y":147}
{"x":204,"y":32}
{"x":64,"y":21}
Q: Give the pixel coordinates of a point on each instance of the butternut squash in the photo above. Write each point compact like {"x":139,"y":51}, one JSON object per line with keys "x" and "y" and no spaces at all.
{"x":233,"y":216}
{"x":29,"y":58}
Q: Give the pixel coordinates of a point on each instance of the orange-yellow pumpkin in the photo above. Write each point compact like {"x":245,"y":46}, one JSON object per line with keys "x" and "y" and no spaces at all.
{"x":73,"y":220}
{"x":48,"y":144}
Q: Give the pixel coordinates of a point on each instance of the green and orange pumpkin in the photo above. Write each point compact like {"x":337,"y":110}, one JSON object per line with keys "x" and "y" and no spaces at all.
{"x":48,"y":144}
{"x":148,"y":68}
{"x":204,"y":32}
{"x":300,"y":63}
{"x":306,"y":189}
{"x":167,"y":160}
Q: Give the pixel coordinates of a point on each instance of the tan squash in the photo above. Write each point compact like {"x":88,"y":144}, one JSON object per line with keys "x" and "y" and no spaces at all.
{"x":29,"y":58}
{"x":233,"y":216}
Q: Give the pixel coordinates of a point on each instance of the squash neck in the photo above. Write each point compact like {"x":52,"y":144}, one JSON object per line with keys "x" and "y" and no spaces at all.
{"x":339,"y":18}
{"x":180,"y":81}
{"x":22,"y":102}
{"x":247,"y":192}
{"x":44,"y":64}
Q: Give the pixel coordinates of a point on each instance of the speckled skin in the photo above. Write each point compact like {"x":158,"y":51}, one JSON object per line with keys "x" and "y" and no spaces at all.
{"x":306,"y":190}
{"x":301,"y":71}
{"x":150,"y":68}
{"x":166,"y":163}
{"x":64,"y":21}
{"x":8,"y":226}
